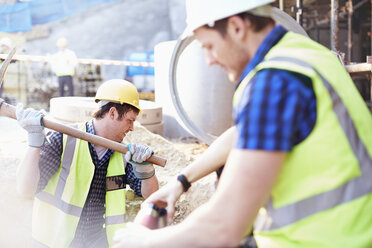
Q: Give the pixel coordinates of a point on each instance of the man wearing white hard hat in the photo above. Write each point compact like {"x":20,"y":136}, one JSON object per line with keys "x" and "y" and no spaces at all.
{"x":63,"y":64}
{"x":79,"y":188}
{"x":299,"y":155}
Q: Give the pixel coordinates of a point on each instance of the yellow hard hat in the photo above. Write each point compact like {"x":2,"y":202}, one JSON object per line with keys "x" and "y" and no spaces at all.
{"x":62,"y":42}
{"x":119,"y":91}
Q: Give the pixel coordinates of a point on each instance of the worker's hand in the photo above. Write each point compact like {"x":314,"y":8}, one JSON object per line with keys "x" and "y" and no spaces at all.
{"x":133,"y":235}
{"x":31,"y":121}
{"x":137,"y":155}
{"x":166,"y":197}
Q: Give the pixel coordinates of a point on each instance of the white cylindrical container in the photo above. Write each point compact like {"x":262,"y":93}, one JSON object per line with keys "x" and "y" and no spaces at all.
{"x":173,"y":126}
{"x":73,"y":109}
{"x":200,"y":95}
{"x":151,"y":113}
{"x":81,"y":109}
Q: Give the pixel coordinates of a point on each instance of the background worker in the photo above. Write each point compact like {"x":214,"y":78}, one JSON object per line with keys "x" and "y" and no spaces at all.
{"x":301,"y":147}
{"x":63,"y":65}
{"x":5,"y":45}
{"x":78,"y":183}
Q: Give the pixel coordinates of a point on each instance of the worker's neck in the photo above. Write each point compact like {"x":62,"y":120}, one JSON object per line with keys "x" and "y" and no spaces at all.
{"x":100,"y":128}
{"x":255,"y":39}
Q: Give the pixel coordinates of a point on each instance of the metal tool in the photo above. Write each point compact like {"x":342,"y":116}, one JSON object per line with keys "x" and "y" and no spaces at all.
{"x":5,"y":64}
{"x":10,"y":111}
{"x":152,"y":216}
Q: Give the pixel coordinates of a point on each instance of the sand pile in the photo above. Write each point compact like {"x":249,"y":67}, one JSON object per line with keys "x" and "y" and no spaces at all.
{"x":179,"y":154}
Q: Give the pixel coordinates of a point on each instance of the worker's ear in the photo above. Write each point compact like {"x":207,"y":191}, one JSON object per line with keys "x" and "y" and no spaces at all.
{"x":113,"y":113}
{"x":237,"y":27}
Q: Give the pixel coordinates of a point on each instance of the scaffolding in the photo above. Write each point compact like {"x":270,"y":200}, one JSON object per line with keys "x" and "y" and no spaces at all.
{"x":339,"y":17}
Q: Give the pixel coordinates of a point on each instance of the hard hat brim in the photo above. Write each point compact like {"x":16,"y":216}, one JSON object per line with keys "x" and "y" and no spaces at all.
{"x":279,"y":16}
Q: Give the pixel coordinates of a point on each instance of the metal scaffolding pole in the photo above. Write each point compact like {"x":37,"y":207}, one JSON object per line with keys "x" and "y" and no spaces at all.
{"x":349,"y":8}
{"x":299,"y":11}
{"x":281,"y":5}
{"x":334,"y":25}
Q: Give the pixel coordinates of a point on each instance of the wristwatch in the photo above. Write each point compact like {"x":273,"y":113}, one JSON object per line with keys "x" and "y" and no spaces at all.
{"x":185,"y":183}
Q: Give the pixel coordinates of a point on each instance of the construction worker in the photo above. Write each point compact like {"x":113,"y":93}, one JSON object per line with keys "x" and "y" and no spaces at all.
{"x":5,"y":45}
{"x":300,"y":149}
{"x":79,"y":186}
{"x":63,"y":65}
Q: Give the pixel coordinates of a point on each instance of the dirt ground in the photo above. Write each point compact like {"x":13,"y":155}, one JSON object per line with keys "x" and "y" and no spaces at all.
{"x":15,"y":212}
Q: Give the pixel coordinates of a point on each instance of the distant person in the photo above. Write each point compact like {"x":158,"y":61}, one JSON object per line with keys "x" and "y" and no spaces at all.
{"x":5,"y":45}
{"x":63,"y":65}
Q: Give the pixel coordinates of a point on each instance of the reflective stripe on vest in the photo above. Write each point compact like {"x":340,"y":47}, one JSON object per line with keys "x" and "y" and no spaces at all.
{"x":115,"y":196}
{"x":117,"y":219}
{"x":56,"y":199}
{"x":352,"y":189}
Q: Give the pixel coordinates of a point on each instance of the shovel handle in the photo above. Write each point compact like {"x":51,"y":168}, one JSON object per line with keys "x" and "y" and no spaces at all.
{"x":10,"y":111}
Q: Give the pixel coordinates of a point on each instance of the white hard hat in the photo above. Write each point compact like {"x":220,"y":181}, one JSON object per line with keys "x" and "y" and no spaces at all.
{"x":5,"y":41}
{"x":201,"y":12}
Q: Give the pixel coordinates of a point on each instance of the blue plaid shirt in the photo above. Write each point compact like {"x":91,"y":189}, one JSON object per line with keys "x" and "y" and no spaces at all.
{"x":278,"y":109}
{"x":91,"y":220}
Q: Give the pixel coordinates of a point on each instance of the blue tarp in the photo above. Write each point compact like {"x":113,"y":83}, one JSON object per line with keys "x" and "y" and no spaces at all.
{"x":21,"y":16}
{"x":140,"y":70}
{"x":15,"y":17}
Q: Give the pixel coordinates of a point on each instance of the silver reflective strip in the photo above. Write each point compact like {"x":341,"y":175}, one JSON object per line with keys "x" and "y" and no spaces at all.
{"x":56,"y":199}
{"x":116,"y":219}
{"x":351,"y":190}
{"x":68,"y":156}
{"x":59,"y":203}
{"x":37,"y":244}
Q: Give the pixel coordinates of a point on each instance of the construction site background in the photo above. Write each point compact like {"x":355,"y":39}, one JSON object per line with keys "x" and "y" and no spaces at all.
{"x":119,"y":29}
{"x":114,"y":31}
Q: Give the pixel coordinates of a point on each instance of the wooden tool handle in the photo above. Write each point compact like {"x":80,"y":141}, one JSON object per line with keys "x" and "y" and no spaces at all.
{"x":10,"y":111}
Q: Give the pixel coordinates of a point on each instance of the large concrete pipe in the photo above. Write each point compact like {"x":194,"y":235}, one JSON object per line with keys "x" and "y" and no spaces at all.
{"x":196,"y":98}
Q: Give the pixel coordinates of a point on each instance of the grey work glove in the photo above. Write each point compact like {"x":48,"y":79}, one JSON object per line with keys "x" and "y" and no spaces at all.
{"x":31,"y":121}
{"x":137,"y":155}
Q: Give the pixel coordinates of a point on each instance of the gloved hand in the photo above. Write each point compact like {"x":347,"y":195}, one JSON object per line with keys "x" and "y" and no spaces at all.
{"x":136,"y":155}
{"x":30,"y":120}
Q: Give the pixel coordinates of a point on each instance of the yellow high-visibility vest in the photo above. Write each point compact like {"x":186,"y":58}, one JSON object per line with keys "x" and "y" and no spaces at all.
{"x":323,"y":195}
{"x":57,"y":209}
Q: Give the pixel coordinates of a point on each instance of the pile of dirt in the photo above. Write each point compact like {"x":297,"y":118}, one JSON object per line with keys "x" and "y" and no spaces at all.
{"x":179,"y":153}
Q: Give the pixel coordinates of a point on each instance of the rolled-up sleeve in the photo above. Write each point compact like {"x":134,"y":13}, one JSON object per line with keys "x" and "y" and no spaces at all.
{"x":133,"y":181}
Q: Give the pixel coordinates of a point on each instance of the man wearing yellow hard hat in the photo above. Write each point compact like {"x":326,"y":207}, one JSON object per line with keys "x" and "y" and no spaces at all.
{"x":300,"y":150}
{"x":79,"y":187}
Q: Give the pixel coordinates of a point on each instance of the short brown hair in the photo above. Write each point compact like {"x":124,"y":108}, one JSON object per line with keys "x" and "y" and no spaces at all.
{"x":258,"y":22}
{"x":121,"y":108}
